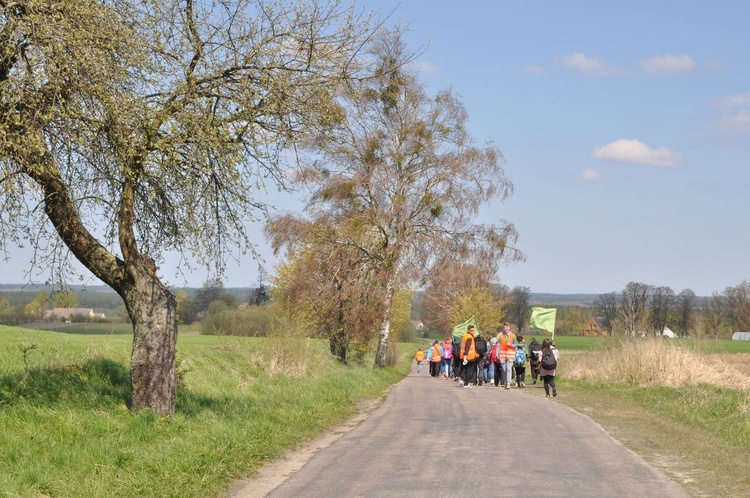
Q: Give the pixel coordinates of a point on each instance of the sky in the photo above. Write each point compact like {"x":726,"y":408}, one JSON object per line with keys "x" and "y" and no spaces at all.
{"x":625,"y":128}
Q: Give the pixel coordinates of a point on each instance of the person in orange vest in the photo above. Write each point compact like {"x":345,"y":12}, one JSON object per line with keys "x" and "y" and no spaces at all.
{"x":419,"y":358}
{"x":468,"y":355}
{"x":508,"y":345}
{"x":435,"y":355}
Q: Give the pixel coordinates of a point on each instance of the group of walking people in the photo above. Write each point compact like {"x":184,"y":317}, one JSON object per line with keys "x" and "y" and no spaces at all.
{"x":501,"y":361}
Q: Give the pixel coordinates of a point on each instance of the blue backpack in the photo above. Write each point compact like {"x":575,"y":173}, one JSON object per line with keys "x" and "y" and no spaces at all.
{"x":520,"y":357}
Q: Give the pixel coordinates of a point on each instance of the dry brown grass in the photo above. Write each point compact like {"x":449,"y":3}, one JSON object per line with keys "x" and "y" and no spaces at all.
{"x":651,"y":362}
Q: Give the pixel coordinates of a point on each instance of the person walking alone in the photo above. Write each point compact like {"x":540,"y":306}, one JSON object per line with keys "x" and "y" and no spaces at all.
{"x":419,"y":358}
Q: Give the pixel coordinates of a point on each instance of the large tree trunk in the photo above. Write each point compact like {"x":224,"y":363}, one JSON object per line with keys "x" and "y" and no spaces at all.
{"x":153,"y":309}
{"x":381,"y":354}
{"x":151,"y":306}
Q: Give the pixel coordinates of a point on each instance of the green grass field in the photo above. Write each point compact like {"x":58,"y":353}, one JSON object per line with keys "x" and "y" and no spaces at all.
{"x":65,"y":429}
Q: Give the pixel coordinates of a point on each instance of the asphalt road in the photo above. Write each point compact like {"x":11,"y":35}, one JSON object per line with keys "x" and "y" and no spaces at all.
{"x":433,"y":438}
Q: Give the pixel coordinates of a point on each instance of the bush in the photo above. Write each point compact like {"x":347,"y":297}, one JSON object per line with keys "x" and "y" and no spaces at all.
{"x":252,"y":321}
{"x":406,"y":333}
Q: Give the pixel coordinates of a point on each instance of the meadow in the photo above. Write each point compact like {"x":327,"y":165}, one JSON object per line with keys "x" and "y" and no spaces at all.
{"x":65,"y":429}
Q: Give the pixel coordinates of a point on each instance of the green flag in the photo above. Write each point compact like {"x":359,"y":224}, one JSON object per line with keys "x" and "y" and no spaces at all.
{"x":543,"y":319}
{"x":460,"y":329}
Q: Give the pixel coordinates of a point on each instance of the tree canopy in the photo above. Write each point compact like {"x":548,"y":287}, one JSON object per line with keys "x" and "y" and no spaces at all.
{"x":131,"y":128}
{"x":399,"y":179}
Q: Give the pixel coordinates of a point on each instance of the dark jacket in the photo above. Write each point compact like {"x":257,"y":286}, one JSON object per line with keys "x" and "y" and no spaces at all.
{"x":481,"y":346}
{"x":534,"y":347}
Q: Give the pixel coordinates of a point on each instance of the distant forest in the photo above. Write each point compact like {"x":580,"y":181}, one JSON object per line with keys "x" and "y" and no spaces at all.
{"x":102,"y":299}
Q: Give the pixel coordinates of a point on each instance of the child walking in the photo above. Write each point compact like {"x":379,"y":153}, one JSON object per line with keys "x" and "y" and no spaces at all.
{"x":419,"y":357}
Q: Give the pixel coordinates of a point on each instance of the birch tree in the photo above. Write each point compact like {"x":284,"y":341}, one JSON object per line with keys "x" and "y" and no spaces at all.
{"x":401,"y":178}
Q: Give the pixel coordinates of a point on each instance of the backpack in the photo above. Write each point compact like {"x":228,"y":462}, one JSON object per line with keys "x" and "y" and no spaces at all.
{"x":520,"y":357}
{"x":481,"y":346}
{"x":533,"y":350}
{"x":548,"y":359}
{"x":447,"y":353}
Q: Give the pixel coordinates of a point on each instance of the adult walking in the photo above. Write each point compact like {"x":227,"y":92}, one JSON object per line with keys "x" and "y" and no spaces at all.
{"x":481,"y":347}
{"x":534,"y":351}
{"x":468,"y":355}
{"x":548,"y":366}
{"x":508,"y":345}
{"x":435,"y":354}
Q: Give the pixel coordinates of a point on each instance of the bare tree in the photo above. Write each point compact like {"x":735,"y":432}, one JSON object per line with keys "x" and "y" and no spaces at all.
{"x":162,"y":119}
{"x":401,"y":180}
{"x":734,"y":299}
{"x":661,"y":302}
{"x":713,"y":311}
{"x":743,"y":318}
{"x":452,"y":281}
{"x":686,"y":303}
{"x":518,"y":306}
{"x":634,"y":307}
{"x":607,"y":308}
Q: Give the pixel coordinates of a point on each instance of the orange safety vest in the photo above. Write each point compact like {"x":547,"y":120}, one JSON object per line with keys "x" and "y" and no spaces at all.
{"x":507,"y":352}
{"x":472,"y":354}
{"x":436,"y":353}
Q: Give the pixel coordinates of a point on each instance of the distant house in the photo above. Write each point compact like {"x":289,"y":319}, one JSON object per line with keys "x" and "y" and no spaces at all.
{"x":68,"y":314}
{"x":667,"y":332}
{"x":595,"y":327}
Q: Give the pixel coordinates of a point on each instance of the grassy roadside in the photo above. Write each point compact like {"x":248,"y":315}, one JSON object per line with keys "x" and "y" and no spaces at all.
{"x":646,"y":396}
{"x":687,"y":434}
{"x":65,"y":431}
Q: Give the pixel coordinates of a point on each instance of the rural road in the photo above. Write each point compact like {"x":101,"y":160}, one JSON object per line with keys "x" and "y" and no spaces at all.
{"x":433,"y":438}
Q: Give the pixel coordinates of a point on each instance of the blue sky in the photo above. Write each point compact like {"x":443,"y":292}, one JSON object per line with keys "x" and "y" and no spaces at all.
{"x":625,"y":127}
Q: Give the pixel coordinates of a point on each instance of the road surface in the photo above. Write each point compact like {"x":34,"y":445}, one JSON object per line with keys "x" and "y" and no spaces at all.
{"x":433,"y":438}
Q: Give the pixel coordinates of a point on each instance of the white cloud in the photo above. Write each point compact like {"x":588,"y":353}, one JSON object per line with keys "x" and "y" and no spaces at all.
{"x":591,"y":66}
{"x":533,"y":69}
{"x":590,"y":175}
{"x":426,"y":67}
{"x":738,"y":100}
{"x":667,"y":64}
{"x":636,"y":152}
{"x":739,"y":120}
